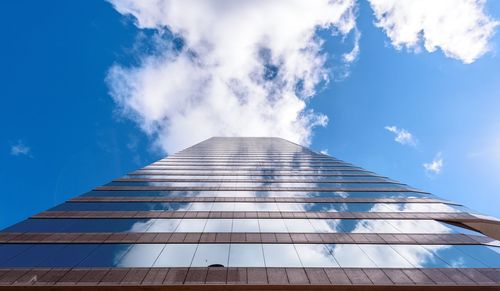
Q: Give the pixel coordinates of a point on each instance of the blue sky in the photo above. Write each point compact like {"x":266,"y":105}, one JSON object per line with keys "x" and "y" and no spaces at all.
{"x":63,"y":134}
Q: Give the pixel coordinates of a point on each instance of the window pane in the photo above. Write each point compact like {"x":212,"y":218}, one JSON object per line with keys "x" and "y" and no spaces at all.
{"x":272,"y":225}
{"x":350,"y":256}
{"x":420,"y":257}
{"x":281,"y":255}
{"x":246,"y":255}
{"x":218,"y":225}
{"x":141,"y":255}
{"x":176,"y":255}
{"x":211,"y":254}
{"x":481,"y":253}
{"x":315,"y":255}
{"x":298,"y":225}
{"x":68,"y":257}
{"x":191,"y":225}
{"x":245,"y":225}
{"x":106,"y":255}
{"x":164,"y":225}
{"x":453,"y":257}
{"x":385,"y":257}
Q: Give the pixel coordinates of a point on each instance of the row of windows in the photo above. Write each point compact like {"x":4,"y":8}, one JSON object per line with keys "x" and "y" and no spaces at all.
{"x":262,"y":179}
{"x":249,"y":255}
{"x":272,"y":184}
{"x":238,"y":225}
{"x":294,"y":194}
{"x":258,"y":207}
{"x":256,"y":171}
{"x":245,"y":167}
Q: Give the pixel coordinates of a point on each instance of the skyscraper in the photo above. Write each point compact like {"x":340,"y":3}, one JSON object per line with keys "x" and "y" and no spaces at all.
{"x":257,"y":213}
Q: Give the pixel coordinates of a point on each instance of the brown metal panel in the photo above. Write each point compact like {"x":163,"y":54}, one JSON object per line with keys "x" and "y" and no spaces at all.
{"x":196,"y":276}
{"x":418,"y":277}
{"x":30,"y":277}
{"x":192,"y":237}
{"x":223,"y":237}
{"x":216,"y":276}
{"x":72,"y":277}
{"x":51,"y":277}
{"x":493,"y":274}
{"x":297,"y":276}
{"x":477,"y":276}
{"x":317,"y":276}
{"x":257,"y":276}
{"x":135,"y":276}
{"x":114,"y":276}
{"x":438,"y":277}
{"x":277,"y":276}
{"x":175,"y":276}
{"x":253,"y":237}
{"x":337,"y":276}
{"x":155,"y":276}
{"x":377,"y":276}
{"x":177,"y":237}
{"x":207,"y":238}
{"x":357,"y":276}
{"x":283,"y":238}
{"x":458,"y":277}
{"x":236,"y":276}
{"x":398,"y":276}
{"x":298,"y":238}
{"x":238,"y":237}
{"x":162,"y":237}
{"x":93,"y":277}
{"x":11,"y":276}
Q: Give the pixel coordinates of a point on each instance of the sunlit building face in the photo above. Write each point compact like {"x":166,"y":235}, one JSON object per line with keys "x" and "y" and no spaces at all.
{"x":247,"y":211}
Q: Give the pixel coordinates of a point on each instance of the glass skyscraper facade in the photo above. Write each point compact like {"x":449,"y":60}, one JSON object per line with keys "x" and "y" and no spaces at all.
{"x":261,"y":212}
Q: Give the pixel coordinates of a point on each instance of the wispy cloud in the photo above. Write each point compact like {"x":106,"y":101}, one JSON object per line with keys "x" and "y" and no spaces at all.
{"x":402,"y":136}
{"x":460,"y":28}
{"x":435,"y":167}
{"x":324,"y":151}
{"x":237,"y":67}
{"x":20,"y":149}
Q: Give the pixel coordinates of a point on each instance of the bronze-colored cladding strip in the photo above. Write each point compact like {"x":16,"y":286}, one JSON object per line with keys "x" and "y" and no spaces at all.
{"x":268,"y":238}
{"x":462,"y":216}
{"x":253,"y":181}
{"x":251,"y":199}
{"x":274,"y":189}
{"x":220,"y":278}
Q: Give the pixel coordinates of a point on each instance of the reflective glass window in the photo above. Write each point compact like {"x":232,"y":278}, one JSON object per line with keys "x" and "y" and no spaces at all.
{"x":218,"y":225}
{"x":164,"y":225}
{"x":211,"y":254}
{"x":481,"y":253}
{"x":176,"y":255}
{"x":326,"y":225}
{"x":191,"y":225}
{"x":246,"y":255}
{"x":298,"y":225}
{"x":8,"y":251}
{"x":350,"y":256}
{"x":281,"y":255}
{"x":419,"y":256}
{"x":245,"y":225}
{"x":34,"y":255}
{"x":454,"y":257}
{"x":141,"y":255}
{"x":315,"y":255}
{"x":105,"y":255}
{"x":68,"y":256}
{"x":272,"y":225}
{"x":385,"y":257}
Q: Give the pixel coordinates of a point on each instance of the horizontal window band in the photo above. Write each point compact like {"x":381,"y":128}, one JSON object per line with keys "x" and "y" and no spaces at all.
{"x":252,"y":199}
{"x":241,"y":278}
{"x":461,"y":216}
{"x":224,"y":237}
{"x":378,"y":181}
{"x":236,"y":174}
{"x":280,"y":189}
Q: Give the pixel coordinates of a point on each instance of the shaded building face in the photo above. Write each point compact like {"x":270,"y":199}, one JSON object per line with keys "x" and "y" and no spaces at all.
{"x":252,"y":211}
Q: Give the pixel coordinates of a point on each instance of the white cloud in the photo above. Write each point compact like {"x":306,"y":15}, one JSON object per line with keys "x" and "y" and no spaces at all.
{"x":436,"y":166}
{"x":247,"y":68}
{"x":325,"y":151}
{"x":402,"y":135}
{"x":460,"y":28}
{"x":20,"y":149}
